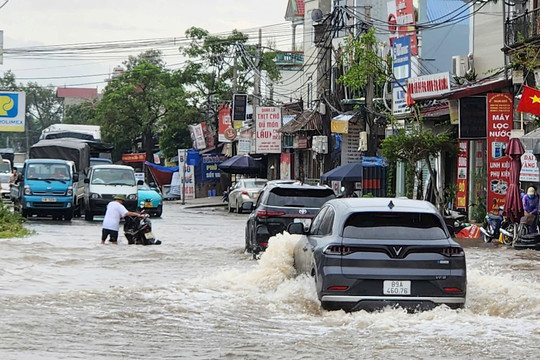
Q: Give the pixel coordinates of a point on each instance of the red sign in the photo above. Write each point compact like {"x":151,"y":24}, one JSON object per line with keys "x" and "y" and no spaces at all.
{"x":461,"y":194}
{"x":127,"y":158}
{"x":401,"y":15}
{"x":499,"y":125}
{"x":225,"y":123}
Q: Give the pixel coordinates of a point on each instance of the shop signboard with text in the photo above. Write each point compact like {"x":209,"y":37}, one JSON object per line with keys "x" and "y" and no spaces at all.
{"x":186,"y":175}
{"x":267,"y":126}
{"x":462,"y":178}
{"x":499,"y":125}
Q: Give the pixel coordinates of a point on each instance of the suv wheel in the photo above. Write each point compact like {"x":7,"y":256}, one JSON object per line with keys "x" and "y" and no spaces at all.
{"x":247,"y":247}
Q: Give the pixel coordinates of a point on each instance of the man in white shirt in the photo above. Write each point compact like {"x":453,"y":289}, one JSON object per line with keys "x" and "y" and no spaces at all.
{"x":111,"y":221}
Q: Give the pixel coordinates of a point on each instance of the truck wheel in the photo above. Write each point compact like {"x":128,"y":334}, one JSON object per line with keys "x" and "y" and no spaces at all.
{"x":88,"y":215}
{"x":68,"y":215}
{"x":24,"y":213}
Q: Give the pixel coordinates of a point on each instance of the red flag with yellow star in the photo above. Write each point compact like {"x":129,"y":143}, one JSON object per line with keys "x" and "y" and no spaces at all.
{"x":530,"y":101}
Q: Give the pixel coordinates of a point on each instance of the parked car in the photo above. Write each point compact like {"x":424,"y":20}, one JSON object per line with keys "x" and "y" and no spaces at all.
{"x":150,"y":200}
{"x":368,"y":253}
{"x":244,"y":190}
{"x":279,"y":205}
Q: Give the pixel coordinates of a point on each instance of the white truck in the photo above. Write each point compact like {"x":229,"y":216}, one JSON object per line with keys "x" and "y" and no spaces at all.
{"x":85,"y":132}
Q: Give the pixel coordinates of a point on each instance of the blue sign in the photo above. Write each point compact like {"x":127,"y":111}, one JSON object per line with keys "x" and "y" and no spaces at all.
{"x":192,"y":157}
{"x":401,"y":68}
{"x":9,"y":105}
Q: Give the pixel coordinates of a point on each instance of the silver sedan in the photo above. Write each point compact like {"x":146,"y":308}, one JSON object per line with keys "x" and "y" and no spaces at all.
{"x":243,"y":191}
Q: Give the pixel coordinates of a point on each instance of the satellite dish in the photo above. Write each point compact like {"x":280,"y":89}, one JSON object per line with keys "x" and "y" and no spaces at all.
{"x":317,"y":15}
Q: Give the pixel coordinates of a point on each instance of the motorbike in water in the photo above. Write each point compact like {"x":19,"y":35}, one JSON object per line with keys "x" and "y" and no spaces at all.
{"x":455,"y":220}
{"x":138,"y":231}
{"x":497,"y":226}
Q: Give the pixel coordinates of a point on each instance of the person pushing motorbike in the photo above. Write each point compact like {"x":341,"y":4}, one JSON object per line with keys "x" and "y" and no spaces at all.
{"x":530,"y":207}
{"x":111,"y":221}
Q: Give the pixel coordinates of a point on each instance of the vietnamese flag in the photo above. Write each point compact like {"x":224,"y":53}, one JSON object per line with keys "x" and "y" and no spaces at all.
{"x":530,"y":101}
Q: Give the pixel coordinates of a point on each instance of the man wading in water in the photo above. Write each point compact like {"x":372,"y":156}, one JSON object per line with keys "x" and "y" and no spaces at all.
{"x":111,"y":221}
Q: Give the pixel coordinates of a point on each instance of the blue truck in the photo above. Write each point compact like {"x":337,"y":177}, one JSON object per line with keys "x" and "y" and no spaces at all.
{"x":51,"y":182}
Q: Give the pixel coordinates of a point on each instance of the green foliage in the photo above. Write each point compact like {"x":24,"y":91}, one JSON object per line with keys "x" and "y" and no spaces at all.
{"x":11,"y":224}
{"x":361,"y":61}
{"x":138,"y":105}
{"x":415,"y":144}
{"x":84,"y":113}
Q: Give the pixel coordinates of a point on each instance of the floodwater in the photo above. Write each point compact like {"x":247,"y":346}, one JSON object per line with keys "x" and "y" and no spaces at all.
{"x":197,"y":296}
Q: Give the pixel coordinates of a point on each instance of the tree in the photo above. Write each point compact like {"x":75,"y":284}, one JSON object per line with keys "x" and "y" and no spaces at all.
{"x":84,"y":113}
{"x":137,"y":106}
{"x":415,"y":144}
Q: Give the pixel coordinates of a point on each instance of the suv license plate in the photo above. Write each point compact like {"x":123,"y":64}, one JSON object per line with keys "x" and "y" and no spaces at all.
{"x":397,"y":287}
{"x":48,"y":199}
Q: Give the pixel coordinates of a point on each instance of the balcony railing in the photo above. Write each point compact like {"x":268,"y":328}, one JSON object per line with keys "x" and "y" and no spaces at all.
{"x":522,"y":28}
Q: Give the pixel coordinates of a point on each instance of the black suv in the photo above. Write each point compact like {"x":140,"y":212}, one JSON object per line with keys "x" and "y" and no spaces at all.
{"x":279,"y":205}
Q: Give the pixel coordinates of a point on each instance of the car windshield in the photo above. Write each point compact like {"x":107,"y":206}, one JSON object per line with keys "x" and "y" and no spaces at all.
{"x":108,"y":176}
{"x":5,"y":168}
{"x":300,"y":197}
{"x":394,"y":225}
{"x":47,"y":172}
{"x":254,"y":183}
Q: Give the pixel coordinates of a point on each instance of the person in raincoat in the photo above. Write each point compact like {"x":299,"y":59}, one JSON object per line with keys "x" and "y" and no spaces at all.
{"x":530,"y":208}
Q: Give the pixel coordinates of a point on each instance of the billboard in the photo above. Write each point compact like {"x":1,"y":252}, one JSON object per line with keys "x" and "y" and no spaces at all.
{"x":267,"y":126}
{"x":12,"y":111}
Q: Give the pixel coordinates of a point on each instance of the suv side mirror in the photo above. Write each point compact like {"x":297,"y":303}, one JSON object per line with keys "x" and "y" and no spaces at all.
{"x":247,"y":206}
{"x":140,"y":182}
{"x":296,"y":228}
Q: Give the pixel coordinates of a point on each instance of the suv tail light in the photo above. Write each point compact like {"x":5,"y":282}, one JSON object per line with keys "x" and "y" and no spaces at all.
{"x":337,"y":250}
{"x":453,"y":251}
{"x":268,"y":213}
{"x":244,"y":192}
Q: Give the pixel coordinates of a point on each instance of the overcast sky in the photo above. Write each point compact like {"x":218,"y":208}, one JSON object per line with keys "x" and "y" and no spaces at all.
{"x":30,"y":23}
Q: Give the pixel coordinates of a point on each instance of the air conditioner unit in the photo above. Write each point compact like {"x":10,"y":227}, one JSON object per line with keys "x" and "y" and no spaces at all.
{"x":460,"y":65}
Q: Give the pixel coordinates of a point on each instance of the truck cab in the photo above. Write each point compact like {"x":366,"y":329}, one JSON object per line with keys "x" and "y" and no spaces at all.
{"x":45,"y":188}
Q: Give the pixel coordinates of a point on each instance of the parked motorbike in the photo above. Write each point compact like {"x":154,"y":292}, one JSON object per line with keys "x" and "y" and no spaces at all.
{"x":138,"y":231}
{"x":455,"y":220}
{"x":495,"y":225}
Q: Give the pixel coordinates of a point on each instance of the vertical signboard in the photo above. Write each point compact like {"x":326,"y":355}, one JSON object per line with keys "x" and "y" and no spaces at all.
{"x":529,"y":168}
{"x":267,"y":126}
{"x":239,"y":110}
{"x":499,"y":125}
{"x":224,"y":116}
{"x":12,"y":111}
{"x":462,"y":177}
{"x":285,"y":168}
{"x":187,"y":176}
{"x":401,"y":68}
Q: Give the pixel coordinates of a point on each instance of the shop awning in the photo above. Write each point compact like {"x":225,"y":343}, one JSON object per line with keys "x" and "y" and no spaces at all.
{"x":340,"y":123}
{"x":308,"y":120}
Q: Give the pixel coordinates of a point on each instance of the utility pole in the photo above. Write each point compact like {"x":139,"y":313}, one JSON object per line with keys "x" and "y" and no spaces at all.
{"x":257,"y":84}
{"x":370,"y":121}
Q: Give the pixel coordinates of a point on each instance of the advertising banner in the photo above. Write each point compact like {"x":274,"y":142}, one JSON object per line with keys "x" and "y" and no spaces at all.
{"x":285,"y":168}
{"x":225,"y":122}
{"x":529,"y":168}
{"x":401,"y":20}
{"x":462,"y":178}
{"x":267,"y":126}
{"x":197,"y":135}
{"x":500,"y":110}
{"x":12,"y":111}
{"x":401,"y":68}
{"x":209,"y":166}
{"x":186,"y":175}
{"x":130,"y":158}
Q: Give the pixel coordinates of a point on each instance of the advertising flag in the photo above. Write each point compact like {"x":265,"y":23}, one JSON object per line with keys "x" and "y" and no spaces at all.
{"x":530,"y":101}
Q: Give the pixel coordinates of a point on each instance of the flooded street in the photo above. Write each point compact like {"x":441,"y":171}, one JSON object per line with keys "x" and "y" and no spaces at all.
{"x":65,"y":296}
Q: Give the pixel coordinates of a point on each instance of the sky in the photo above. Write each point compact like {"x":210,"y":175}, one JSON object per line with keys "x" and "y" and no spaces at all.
{"x":82,"y":41}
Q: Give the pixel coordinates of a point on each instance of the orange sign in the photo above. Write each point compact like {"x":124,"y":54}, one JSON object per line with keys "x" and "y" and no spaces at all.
{"x":141,"y":157}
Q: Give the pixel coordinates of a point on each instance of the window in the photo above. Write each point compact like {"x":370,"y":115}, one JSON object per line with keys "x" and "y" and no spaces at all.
{"x":394,"y":225}
{"x":299,"y":197}
{"x":316,"y":224}
{"x":327,"y":222}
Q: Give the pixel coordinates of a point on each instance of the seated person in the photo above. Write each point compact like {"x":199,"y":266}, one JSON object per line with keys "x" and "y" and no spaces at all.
{"x":59,"y":173}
